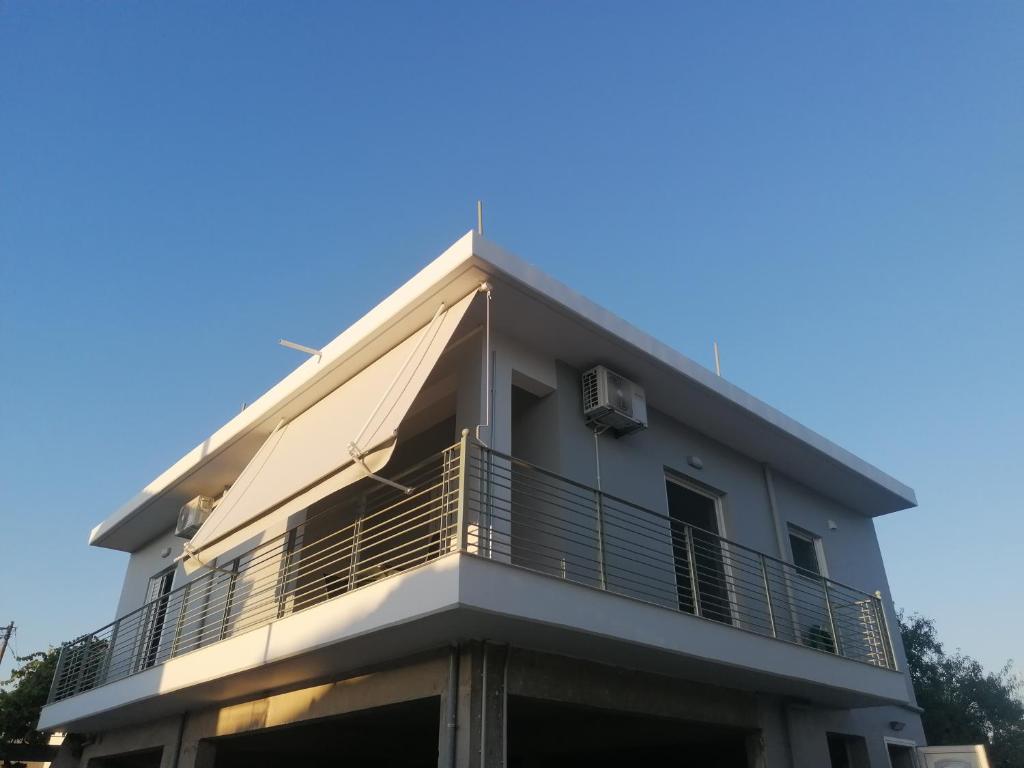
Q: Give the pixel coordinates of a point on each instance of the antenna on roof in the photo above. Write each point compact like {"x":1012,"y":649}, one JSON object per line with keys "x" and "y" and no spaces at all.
{"x":718,"y":363}
{"x":480,"y":217}
{"x":301,"y":348}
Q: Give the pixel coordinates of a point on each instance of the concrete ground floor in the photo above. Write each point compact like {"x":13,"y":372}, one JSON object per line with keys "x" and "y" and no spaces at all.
{"x":484,"y":704}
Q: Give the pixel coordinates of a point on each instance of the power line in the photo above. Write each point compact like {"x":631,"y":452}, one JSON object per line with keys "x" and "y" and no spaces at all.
{"x":8,"y":631}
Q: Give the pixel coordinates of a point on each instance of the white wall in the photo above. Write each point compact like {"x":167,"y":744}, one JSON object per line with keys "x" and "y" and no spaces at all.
{"x":145,"y":563}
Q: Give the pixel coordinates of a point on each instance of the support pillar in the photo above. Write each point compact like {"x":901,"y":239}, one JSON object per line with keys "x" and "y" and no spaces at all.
{"x":481,"y":722}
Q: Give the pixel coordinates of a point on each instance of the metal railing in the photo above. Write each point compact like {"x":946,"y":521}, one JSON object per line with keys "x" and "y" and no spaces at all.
{"x":529,"y":517}
{"x":484,"y":503}
{"x":353,"y":540}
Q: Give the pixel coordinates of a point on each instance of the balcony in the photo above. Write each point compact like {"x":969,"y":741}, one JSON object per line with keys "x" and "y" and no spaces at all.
{"x":472,"y":502}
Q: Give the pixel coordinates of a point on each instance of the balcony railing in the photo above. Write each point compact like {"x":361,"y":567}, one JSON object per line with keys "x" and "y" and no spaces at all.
{"x":352,"y":541}
{"x":484,"y":503}
{"x":530,"y":517}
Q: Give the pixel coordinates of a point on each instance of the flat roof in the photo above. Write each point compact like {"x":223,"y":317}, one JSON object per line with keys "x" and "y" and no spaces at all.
{"x":676,"y":385}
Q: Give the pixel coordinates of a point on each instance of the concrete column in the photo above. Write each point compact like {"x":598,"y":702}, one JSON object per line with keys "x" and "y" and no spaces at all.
{"x":203,"y":754}
{"x":774,"y":734}
{"x":482,"y":727}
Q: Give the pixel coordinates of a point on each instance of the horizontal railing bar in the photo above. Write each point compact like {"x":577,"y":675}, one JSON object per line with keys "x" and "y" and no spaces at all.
{"x":551,"y":524}
{"x":646,"y":511}
{"x":528,"y":516}
{"x":272,"y":578}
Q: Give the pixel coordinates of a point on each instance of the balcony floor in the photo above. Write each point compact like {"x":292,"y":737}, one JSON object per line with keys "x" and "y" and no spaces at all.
{"x":459,"y":597}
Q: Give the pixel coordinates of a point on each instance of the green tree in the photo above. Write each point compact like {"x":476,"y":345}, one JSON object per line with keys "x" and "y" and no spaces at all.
{"x":23,"y":695}
{"x":962,"y":703}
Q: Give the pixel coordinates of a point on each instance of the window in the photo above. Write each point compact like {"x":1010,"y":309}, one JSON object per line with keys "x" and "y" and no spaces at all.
{"x":695,"y":512}
{"x":806,"y":552}
{"x":155,"y":614}
{"x":847,"y":751}
{"x":901,"y":753}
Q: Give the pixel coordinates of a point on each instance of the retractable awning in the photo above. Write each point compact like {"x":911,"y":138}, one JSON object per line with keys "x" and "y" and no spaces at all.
{"x":348,"y":435}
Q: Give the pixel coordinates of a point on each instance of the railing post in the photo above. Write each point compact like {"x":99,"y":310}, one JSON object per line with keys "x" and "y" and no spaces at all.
{"x":460,"y":508}
{"x":887,"y":649}
{"x":141,"y":652}
{"x":837,"y":645}
{"x":229,"y":596}
{"x":109,"y":656}
{"x":180,"y":623}
{"x":768,"y":595}
{"x":357,"y":534}
{"x":82,"y":657}
{"x":600,"y":539}
{"x":57,"y":670}
{"x":284,"y":577}
{"x":691,"y":563}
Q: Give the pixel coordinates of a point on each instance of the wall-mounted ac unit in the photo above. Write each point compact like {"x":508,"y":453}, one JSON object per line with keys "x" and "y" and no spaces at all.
{"x":193,"y":515}
{"x":613,"y":401}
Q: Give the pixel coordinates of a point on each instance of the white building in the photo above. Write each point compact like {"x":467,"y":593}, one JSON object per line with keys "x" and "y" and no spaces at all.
{"x":421,"y":552}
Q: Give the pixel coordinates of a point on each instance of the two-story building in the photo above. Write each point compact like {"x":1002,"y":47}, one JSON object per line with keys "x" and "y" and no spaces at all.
{"x":494,"y":524}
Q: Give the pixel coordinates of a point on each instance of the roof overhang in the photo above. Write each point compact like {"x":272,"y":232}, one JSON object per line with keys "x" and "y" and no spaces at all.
{"x":681,"y":388}
{"x":528,"y":303}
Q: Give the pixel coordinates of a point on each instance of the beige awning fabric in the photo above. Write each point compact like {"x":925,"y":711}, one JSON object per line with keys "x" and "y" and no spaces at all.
{"x":340,"y":439}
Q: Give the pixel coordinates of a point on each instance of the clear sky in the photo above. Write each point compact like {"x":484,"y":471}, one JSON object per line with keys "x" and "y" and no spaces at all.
{"x":833,"y":190}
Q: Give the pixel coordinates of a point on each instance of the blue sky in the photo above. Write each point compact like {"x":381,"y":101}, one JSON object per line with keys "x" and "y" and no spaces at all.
{"x":832,"y":190}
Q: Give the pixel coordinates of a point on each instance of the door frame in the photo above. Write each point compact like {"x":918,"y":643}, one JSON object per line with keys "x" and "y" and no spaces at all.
{"x":691,"y":484}
{"x":718,"y":498}
{"x":153,"y":625}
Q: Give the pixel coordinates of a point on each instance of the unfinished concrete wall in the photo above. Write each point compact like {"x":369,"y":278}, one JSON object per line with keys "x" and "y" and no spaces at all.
{"x":778,"y":732}
{"x":79,"y":749}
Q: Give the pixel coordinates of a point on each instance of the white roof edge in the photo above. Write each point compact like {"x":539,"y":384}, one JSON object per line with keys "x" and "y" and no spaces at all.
{"x":391,"y":309}
{"x":351,"y":339}
{"x":566,"y":298}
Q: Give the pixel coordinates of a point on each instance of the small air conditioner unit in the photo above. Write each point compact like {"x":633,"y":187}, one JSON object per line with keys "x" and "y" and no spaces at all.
{"x":613,"y":401}
{"x":193,"y":515}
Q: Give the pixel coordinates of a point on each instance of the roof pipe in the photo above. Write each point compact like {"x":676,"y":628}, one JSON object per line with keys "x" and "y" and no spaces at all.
{"x":486,"y":287}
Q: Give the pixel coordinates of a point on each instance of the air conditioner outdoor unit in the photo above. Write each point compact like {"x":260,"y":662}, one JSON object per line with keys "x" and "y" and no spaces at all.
{"x":613,"y":401}
{"x":193,"y":515}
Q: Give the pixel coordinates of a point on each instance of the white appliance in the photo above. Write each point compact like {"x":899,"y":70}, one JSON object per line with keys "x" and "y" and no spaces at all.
{"x":192,"y":515}
{"x":613,"y":401}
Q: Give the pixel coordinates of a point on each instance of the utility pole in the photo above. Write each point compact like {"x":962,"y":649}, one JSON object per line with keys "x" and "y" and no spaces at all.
{"x":8,"y":631}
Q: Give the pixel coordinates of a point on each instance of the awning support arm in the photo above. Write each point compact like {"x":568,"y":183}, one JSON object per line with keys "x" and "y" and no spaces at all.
{"x":358,"y":458}
{"x":187,"y":551}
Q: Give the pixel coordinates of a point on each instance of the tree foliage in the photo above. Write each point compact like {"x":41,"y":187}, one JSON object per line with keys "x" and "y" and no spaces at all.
{"x":962,"y":703}
{"x":23,"y":695}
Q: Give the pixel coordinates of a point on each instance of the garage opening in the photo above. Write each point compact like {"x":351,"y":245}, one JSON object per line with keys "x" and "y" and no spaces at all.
{"x":544,"y":734}
{"x":146,"y":758}
{"x":401,"y":735}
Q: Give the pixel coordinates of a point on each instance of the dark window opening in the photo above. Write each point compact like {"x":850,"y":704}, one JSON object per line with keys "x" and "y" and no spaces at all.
{"x":149,"y":758}
{"x":548,"y":734}
{"x":696,"y":514}
{"x":805,"y":553}
{"x":156,"y":614}
{"x":847,"y":751}
{"x":399,"y":735}
{"x":901,"y":756}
